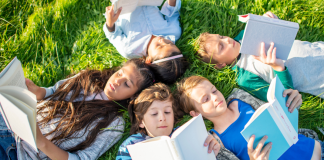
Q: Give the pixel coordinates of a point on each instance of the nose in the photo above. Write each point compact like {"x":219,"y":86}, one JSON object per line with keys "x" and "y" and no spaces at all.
{"x":214,"y":97}
{"x":228,"y":41}
{"x":119,"y":81}
{"x":162,"y":117}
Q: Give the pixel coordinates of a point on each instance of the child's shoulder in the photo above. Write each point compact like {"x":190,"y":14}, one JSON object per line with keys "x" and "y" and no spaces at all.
{"x":134,"y":138}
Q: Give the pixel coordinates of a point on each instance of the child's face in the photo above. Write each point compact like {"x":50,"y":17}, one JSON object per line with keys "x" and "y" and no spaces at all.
{"x":123,"y":83}
{"x":158,"y":119}
{"x":161,"y":48}
{"x":222,"y":49}
{"x":209,"y":101}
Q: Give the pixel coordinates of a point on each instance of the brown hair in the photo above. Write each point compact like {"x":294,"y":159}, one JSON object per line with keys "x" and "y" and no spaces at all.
{"x":139,"y":106}
{"x":169,"y":71}
{"x":202,"y":50}
{"x":184,"y":89}
{"x":75,"y":116}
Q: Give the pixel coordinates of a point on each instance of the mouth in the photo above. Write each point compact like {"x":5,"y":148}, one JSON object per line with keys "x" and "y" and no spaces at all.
{"x":163,"y":127}
{"x":220,"y":103}
{"x":112,"y":87}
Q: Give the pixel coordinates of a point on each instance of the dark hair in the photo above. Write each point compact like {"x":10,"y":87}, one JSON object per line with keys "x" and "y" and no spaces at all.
{"x":139,"y":106}
{"x":169,"y":71}
{"x":76,"y":116}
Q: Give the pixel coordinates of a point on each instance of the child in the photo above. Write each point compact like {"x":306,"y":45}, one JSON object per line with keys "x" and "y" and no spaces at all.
{"x":255,"y":73}
{"x":73,"y":114}
{"x":153,"y":114}
{"x":150,"y":33}
{"x":198,"y":95}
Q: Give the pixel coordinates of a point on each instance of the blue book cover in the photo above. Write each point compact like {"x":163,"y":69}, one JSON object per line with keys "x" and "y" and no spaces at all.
{"x":280,"y":126}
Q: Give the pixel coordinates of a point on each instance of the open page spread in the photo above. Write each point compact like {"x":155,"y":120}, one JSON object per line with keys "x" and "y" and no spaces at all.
{"x":13,"y":75}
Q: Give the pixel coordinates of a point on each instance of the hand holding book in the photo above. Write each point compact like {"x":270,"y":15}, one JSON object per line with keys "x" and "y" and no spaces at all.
{"x":260,"y":152}
{"x":38,"y":91}
{"x":270,"y":58}
{"x":111,"y":17}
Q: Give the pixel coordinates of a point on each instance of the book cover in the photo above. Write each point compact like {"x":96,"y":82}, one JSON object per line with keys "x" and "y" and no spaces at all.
{"x":274,"y":120}
{"x":186,"y":143}
{"x":130,"y":5}
{"x":264,"y":29}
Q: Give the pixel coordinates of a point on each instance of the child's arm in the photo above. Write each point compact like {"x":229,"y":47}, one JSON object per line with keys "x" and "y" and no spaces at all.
{"x":111,"y":17}
{"x":172,"y":2}
{"x":172,"y":15}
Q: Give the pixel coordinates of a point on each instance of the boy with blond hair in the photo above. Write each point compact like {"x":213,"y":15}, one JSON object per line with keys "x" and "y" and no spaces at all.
{"x":255,"y":73}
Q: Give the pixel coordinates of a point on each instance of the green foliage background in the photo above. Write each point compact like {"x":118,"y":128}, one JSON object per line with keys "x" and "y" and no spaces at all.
{"x":54,"y":38}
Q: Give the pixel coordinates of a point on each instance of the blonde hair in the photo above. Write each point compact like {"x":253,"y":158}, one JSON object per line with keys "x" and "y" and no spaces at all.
{"x":138,"y":107}
{"x":202,"y":50}
{"x":184,"y":89}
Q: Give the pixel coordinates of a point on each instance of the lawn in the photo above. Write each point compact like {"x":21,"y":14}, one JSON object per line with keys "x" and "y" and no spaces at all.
{"x":54,"y":38}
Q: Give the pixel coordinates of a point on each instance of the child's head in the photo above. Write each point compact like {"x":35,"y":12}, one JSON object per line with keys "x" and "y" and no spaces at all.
{"x":132,"y":78}
{"x":153,"y":112}
{"x":167,"y":71}
{"x":197,"y":95}
{"x":217,"y":49}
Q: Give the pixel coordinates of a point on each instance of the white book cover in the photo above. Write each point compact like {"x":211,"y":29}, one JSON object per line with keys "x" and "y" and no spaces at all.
{"x":130,"y":5}
{"x":186,"y":143}
{"x":264,"y":29}
{"x":13,"y":75}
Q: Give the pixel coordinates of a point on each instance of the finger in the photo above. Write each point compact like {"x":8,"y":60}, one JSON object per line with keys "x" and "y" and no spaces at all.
{"x":256,"y":57}
{"x":211,"y":145}
{"x":216,"y":149}
{"x":118,"y":12}
{"x":260,"y":145}
{"x":250,"y":144}
{"x":208,"y":139}
{"x":265,"y":150}
{"x":291,"y":97}
{"x":273,"y":57}
{"x":268,"y":153}
{"x":286,"y":92}
{"x":269,"y":53}
{"x":262,"y":52}
{"x":294,"y":103}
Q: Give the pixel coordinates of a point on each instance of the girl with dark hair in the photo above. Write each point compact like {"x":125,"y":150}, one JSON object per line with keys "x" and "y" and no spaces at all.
{"x":153,"y":113}
{"x":151,"y":33}
{"x":79,"y":118}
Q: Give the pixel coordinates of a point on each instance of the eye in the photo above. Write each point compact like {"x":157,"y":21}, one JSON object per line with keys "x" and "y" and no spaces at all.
{"x":126,"y":84}
{"x":214,"y":91}
{"x":119,"y":74}
{"x":221,"y":37}
{"x":206,"y":99}
{"x":155,"y":114}
{"x":167,"y":112}
{"x":220,"y":46}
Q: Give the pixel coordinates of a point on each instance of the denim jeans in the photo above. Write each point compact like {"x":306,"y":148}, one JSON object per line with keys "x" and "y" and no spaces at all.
{"x":8,"y":149}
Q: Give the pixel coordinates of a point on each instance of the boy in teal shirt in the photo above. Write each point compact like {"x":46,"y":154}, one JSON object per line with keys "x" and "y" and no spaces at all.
{"x":255,"y":73}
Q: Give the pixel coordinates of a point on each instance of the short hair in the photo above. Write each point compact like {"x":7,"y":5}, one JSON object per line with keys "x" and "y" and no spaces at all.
{"x":184,"y":88}
{"x":202,"y":50}
{"x":139,"y":106}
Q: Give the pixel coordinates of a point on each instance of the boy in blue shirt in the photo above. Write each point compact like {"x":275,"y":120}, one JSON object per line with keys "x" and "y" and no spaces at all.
{"x":255,"y":73}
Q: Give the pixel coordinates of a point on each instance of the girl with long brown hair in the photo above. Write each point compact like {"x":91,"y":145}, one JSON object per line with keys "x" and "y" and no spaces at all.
{"x":79,"y":117}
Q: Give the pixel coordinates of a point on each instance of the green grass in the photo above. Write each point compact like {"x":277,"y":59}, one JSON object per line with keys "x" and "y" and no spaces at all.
{"x":54,"y":38}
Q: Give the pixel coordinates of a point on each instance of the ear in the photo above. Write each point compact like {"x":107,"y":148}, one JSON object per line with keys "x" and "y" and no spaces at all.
{"x":148,"y":60}
{"x":141,"y":125}
{"x":219,"y":65}
{"x":194,"y":113}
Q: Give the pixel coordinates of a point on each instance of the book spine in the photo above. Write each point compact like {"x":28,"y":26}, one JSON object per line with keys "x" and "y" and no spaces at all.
{"x":175,"y":150}
{"x":274,"y":21}
{"x":284,"y":123}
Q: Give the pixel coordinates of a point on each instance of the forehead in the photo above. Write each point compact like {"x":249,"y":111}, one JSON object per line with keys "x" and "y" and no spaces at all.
{"x":157,"y":104}
{"x":200,"y":89}
{"x":167,"y":50}
{"x":132,"y":73}
{"x":211,"y":42}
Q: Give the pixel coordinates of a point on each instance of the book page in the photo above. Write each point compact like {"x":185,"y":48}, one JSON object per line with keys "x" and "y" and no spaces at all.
{"x":190,"y":138}
{"x":13,"y":75}
{"x":20,"y":117}
{"x":150,"y":2}
{"x":157,"y":150}
{"x":127,"y":5}
{"x":23,"y":95}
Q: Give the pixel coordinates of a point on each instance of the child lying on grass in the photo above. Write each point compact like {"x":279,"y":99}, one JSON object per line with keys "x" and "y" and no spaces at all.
{"x":198,"y":95}
{"x":153,"y":114}
{"x":150,"y":33}
{"x":304,"y":63}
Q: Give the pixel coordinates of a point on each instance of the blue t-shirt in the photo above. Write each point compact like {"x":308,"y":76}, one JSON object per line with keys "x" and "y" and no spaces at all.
{"x":235,"y":142}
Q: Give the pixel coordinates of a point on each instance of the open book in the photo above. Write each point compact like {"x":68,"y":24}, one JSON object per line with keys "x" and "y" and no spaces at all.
{"x":130,"y":5}
{"x":17,"y":103}
{"x":274,"y":120}
{"x":264,"y":29}
{"x":186,"y":143}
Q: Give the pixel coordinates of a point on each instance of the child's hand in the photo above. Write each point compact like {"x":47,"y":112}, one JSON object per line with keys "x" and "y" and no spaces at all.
{"x":213,"y":145}
{"x":257,"y":154}
{"x":294,"y":99}
{"x":270,"y":58}
{"x":38,"y":91}
{"x":172,"y":2}
{"x":270,"y":15}
{"x":111,"y":17}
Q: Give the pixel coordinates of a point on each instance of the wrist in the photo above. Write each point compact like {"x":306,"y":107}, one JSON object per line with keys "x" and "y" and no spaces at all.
{"x":279,"y":68}
{"x":111,"y":27}
{"x":41,"y":92}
